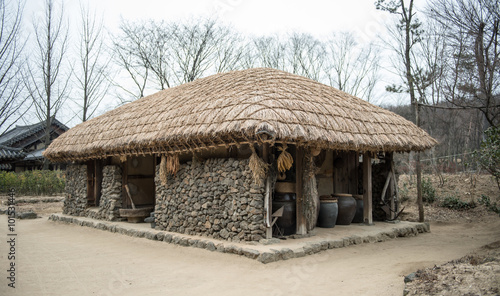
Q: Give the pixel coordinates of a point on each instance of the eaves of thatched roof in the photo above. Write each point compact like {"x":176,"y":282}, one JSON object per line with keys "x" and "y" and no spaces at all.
{"x":231,"y":108}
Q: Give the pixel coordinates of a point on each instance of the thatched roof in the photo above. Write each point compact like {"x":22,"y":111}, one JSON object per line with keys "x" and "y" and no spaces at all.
{"x":236,"y":107}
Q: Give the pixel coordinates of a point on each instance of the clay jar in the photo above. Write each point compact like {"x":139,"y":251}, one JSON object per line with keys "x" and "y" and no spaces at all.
{"x":328,"y":212}
{"x":347,"y":208}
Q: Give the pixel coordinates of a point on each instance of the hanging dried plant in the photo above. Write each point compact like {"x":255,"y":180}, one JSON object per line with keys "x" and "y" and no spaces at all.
{"x":173,"y":164}
{"x":163,"y":170}
{"x":123,"y":158}
{"x":285,"y":159}
{"x":258,"y":166}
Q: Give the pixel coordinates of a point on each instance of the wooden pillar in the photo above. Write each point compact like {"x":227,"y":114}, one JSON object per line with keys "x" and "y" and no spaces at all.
{"x":299,"y":174}
{"x":367,"y":189}
{"x":268,"y":204}
{"x":392,"y":185}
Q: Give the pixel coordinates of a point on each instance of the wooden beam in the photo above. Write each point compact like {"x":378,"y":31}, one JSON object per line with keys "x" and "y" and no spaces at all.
{"x":367,"y":189}
{"x":299,"y":174}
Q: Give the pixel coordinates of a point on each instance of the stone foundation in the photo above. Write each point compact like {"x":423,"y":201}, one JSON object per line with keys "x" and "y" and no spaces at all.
{"x":75,"y":202}
{"x":216,"y":198}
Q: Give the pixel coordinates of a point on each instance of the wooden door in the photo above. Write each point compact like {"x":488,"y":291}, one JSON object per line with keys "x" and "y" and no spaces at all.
{"x":94,"y":182}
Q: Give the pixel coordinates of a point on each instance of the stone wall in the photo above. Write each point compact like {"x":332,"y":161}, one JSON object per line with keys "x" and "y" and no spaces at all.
{"x":76,"y":190}
{"x":111,"y":194}
{"x":216,"y":198}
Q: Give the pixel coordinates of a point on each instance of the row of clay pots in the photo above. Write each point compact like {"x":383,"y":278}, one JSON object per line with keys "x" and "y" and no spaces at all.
{"x":340,"y":209}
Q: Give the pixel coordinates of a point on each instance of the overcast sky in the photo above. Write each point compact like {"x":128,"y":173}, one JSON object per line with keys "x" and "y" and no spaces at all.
{"x":257,"y":17}
{"x":250,"y":17}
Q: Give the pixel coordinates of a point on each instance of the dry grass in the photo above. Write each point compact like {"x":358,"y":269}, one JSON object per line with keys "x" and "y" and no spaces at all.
{"x":239,"y":107}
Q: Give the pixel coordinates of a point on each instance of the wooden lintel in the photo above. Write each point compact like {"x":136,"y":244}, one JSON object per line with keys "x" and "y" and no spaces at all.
{"x":367,"y":189}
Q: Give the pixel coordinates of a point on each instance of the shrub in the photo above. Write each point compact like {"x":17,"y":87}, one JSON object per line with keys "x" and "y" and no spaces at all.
{"x":33,"y":182}
{"x":428,"y":192}
{"x":454,"y":203}
{"x":485,"y":200}
{"x":488,"y":156}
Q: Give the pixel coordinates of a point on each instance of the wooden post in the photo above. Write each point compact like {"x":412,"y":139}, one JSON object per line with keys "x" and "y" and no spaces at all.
{"x":367,"y":189}
{"x":392,"y":186}
{"x":268,"y":204}
{"x":299,"y":174}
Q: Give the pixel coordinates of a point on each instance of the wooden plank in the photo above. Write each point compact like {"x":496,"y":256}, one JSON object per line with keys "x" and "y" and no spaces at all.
{"x":299,"y":173}
{"x":367,"y":189}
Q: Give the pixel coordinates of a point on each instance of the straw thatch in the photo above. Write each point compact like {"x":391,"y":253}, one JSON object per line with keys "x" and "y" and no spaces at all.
{"x":252,"y":105}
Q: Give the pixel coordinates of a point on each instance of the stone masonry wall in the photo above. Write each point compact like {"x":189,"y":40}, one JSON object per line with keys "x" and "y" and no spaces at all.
{"x":216,"y":198}
{"x":76,"y":190}
{"x":111,"y":194}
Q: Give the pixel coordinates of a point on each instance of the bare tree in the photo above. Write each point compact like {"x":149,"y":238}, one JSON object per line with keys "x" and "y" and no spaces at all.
{"x":472,"y":31}
{"x":11,"y":46}
{"x":231,"y":53}
{"x":128,"y":51}
{"x":406,"y":35}
{"x":93,"y":75}
{"x":270,"y":52}
{"x":45,"y":81}
{"x":197,"y":45}
{"x":305,"y":55}
{"x":351,"y":67}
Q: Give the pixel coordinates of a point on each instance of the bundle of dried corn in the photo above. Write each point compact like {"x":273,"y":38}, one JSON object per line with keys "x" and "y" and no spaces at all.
{"x":258,"y":166}
{"x":285,"y":160}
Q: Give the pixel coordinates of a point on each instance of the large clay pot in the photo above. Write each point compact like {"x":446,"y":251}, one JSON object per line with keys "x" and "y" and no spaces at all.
{"x":328,"y":213}
{"x":347,"y":208}
{"x":287,"y":222}
{"x":358,"y":217}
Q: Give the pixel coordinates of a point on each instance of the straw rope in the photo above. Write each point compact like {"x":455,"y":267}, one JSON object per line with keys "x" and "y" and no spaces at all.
{"x":235,"y":107}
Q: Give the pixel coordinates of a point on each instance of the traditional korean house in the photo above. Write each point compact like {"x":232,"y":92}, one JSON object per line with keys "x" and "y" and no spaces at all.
{"x":21,"y":147}
{"x":209,"y":157}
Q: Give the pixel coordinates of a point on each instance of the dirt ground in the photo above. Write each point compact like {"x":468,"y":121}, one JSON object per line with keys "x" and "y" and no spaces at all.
{"x":60,"y":259}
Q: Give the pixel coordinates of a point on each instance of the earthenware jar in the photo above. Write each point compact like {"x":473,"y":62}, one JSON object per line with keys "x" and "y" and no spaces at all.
{"x":347,"y":208}
{"x":328,"y":213}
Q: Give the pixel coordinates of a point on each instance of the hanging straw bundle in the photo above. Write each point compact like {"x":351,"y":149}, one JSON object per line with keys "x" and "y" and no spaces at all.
{"x":173,"y":164}
{"x":285,"y":160}
{"x":163,"y":170}
{"x":258,"y":166}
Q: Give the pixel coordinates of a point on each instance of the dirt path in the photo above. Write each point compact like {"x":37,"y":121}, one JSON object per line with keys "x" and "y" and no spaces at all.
{"x":59,"y":259}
